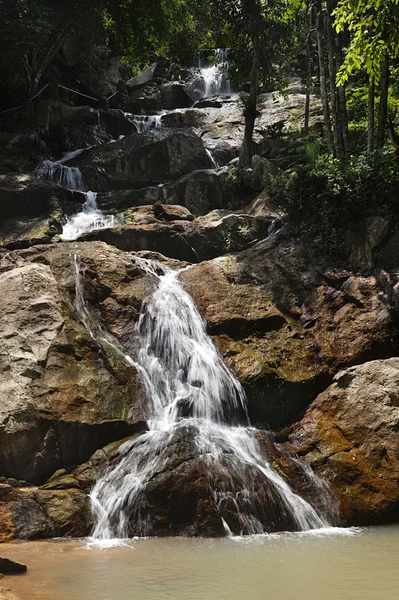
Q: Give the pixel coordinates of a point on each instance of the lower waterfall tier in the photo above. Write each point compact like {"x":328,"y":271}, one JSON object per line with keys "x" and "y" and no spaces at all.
{"x":202,"y":480}
{"x":195,"y":472}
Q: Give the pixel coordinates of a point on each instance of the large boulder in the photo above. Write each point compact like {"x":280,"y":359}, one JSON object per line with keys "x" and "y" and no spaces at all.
{"x":145,"y":77}
{"x":175,"y":95}
{"x":370,"y":233}
{"x":63,"y":393}
{"x":25,"y":196}
{"x":32,"y":211}
{"x":286,"y":324}
{"x":73,"y":127}
{"x":153,"y":157}
{"x":349,"y":436}
{"x":200,"y":192}
{"x":181,"y":238}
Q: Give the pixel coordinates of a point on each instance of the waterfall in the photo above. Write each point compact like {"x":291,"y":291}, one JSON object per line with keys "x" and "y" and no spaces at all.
{"x":145,"y":122}
{"x":89,"y":219}
{"x":216,"y":75}
{"x":215,"y":164}
{"x":191,"y":392}
{"x":71,"y":178}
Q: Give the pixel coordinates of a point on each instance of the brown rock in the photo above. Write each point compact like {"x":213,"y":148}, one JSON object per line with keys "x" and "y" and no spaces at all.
{"x":282,"y":328}
{"x":64,"y":395}
{"x":349,"y":436}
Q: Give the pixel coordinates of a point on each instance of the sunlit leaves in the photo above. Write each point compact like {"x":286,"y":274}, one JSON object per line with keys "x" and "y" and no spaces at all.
{"x":374,"y":30}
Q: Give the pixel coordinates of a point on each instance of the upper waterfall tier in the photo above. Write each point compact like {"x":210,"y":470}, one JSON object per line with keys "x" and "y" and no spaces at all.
{"x":215,"y":73}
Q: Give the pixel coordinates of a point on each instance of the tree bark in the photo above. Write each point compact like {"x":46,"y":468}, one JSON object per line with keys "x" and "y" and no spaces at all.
{"x":383,"y":106}
{"x":250,"y":112}
{"x":370,"y":118}
{"x":337,"y":132}
{"x":323,"y":79}
{"x":343,"y":113}
{"x":309,"y":70}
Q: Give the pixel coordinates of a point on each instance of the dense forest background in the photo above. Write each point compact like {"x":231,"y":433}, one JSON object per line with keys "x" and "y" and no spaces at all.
{"x":347,"y":52}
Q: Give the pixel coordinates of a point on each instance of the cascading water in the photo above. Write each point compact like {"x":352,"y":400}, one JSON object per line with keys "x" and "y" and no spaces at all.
{"x":89,"y":219}
{"x":192,"y":393}
{"x":215,"y":164}
{"x":145,"y":122}
{"x":71,"y":178}
{"x":216,"y":75}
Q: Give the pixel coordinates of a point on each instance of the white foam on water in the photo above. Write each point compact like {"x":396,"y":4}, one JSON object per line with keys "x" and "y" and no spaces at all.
{"x":88,"y":219}
{"x":192,"y":393}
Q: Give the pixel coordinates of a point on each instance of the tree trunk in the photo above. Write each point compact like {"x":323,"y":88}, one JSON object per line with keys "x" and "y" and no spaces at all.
{"x":370,"y":119}
{"x":309,"y":70}
{"x":383,"y":106}
{"x":343,"y":113}
{"x":323,"y":82}
{"x":250,"y":113}
{"x":337,"y":133}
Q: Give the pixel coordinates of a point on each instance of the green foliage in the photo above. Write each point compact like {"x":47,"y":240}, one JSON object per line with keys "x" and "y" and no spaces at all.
{"x":324,"y":197}
{"x":357,"y":103}
{"x":144,"y":28}
{"x":237,"y":23}
{"x":374,"y":30}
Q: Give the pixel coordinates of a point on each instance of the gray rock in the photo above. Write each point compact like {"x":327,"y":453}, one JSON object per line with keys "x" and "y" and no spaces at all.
{"x":150,"y":158}
{"x":254,"y":177}
{"x":200,"y":192}
{"x":145,"y":77}
{"x":175,"y":95}
{"x":362,"y":240}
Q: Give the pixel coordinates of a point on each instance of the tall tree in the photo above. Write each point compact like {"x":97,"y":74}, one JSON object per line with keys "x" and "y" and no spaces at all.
{"x":258,"y":31}
{"x":374,"y":42}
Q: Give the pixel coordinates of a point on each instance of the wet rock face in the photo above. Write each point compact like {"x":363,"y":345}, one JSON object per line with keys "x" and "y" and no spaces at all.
{"x":63,"y":395}
{"x":192,"y":493}
{"x":285,"y":327}
{"x":180,"y":238}
{"x":150,"y":158}
{"x":349,"y":436}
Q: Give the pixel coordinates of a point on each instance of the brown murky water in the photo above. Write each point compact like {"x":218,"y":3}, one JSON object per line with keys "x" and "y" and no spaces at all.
{"x":359,"y":564}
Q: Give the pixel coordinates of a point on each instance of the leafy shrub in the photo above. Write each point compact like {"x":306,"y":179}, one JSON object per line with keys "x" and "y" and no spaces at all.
{"x":324,"y":197}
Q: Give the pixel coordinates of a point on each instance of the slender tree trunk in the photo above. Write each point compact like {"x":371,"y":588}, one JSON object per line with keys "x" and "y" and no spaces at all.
{"x":250,"y":113}
{"x":337,"y":134}
{"x":323,"y":81}
{"x":309,"y":70}
{"x":343,"y":113}
{"x":370,"y":118}
{"x":383,"y":106}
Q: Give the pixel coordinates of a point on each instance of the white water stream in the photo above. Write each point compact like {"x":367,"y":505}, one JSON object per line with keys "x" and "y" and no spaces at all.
{"x":71,"y":178}
{"x":190,"y":390}
{"x":145,"y":122}
{"x":89,"y":219}
{"x":216,"y":75}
